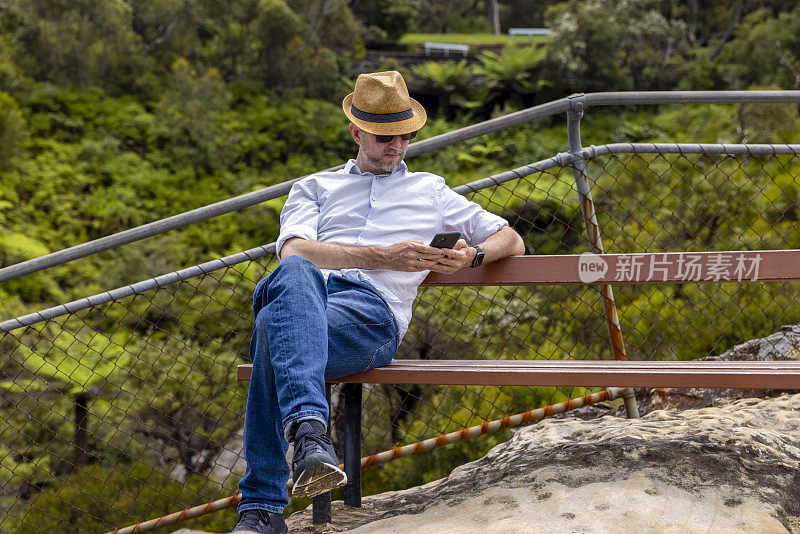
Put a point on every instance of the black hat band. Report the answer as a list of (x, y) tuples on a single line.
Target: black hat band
[(382, 117)]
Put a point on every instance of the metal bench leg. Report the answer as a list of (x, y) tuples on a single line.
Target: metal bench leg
[(321, 506), (352, 444)]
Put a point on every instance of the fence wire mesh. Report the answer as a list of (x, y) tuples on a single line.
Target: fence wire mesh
[(128, 410)]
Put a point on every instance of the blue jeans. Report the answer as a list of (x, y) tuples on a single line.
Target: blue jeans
[(305, 330)]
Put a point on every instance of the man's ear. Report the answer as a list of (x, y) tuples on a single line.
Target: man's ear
[(356, 133)]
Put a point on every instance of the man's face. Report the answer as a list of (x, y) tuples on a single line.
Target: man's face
[(382, 157)]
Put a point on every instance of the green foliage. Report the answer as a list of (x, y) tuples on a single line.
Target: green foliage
[(600, 45), (10, 74), (82, 502), (68, 42), (13, 132), (78, 361), (187, 118), (508, 79), (385, 21), (127, 46), (513, 75), (513, 70), (449, 80), (764, 52), (450, 16), (16, 247), (522, 14)]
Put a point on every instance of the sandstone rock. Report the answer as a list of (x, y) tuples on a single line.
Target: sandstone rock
[(734, 468)]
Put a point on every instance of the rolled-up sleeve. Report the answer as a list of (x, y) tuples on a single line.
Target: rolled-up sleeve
[(460, 215), (300, 214)]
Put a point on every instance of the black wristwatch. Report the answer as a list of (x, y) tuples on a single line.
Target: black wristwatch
[(478, 259)]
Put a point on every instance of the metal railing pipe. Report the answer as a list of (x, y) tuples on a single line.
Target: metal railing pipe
[(593, 152), (486, 127), (136, 289), (147, 230), (692, 97)]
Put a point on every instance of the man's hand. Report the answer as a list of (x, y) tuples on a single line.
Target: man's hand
[(453, 259), (413, 256)]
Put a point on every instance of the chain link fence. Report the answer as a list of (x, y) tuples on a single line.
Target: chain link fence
[(129, 408)]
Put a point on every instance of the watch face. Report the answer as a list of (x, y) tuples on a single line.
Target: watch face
[(478, 258)]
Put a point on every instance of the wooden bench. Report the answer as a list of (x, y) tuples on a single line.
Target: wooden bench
[(446, 48), (530, 33), (659, 268)]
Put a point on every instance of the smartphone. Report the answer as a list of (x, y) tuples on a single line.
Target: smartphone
[(445, 240)]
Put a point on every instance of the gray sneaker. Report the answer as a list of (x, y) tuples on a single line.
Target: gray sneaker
[(260, 522), (314, 464)]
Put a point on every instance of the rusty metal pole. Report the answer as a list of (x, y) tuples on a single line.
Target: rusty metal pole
[(578, 103)]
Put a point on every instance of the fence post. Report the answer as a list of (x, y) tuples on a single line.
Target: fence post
[(577, 103)]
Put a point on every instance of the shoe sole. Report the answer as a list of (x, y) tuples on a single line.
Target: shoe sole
[(318, 478)]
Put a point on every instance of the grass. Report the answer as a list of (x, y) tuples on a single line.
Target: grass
[(463, 38)]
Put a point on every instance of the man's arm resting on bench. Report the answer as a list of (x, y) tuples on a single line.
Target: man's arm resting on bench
[(405, 256), (501, 244)]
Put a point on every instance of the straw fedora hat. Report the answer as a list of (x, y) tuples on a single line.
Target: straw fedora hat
[(380, 105)]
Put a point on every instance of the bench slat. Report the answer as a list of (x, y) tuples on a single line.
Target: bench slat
[(591, 373), (644, 268)]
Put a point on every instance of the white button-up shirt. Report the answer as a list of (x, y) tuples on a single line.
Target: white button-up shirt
[(354, 208)]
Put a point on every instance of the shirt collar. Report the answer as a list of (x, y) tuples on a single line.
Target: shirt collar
[(351, 168)]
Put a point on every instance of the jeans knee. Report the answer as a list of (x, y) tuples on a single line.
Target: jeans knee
[(297, 268), (293, 275), (295, 261)]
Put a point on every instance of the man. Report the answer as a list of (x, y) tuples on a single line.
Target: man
[(353, 251)]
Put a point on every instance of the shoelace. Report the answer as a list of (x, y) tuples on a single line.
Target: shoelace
[(311, 441)]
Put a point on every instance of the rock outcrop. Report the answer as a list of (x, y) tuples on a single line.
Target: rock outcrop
[(734, 468)]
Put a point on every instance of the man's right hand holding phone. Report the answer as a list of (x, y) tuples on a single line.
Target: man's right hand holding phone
[(455, 253), (453, 259)]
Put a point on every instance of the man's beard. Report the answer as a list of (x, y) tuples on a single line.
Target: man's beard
[(385, 167)]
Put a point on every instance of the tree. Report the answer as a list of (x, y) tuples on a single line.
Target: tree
[(452, 16), (764, 51), (84, 42), (603, 45), (493, 14), (188, 116), (385, 21), (13, 132), (522, 13)]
